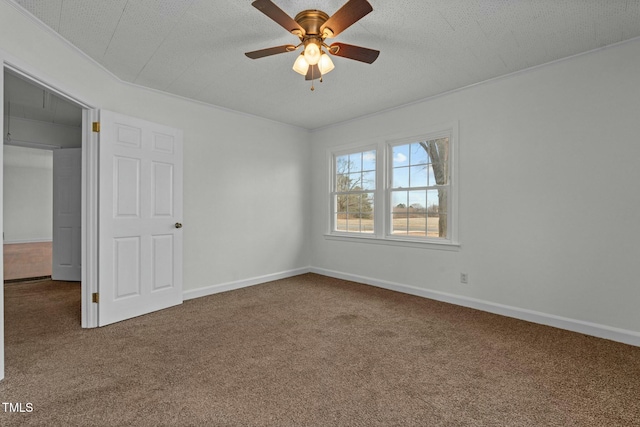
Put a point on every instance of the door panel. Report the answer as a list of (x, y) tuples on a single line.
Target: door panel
[(163, 248), (67, 219), (140, 185), (162, 190)]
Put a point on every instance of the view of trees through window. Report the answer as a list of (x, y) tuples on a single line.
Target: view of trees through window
[(354, 192), (416, 195), (419, 188)]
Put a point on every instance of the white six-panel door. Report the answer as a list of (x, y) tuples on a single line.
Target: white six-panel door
[(140, 204), (67, 205)]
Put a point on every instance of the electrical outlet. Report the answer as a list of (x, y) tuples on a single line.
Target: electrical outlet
[(464, 278)]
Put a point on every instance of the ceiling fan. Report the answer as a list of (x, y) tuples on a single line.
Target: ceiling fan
[(312, 27)]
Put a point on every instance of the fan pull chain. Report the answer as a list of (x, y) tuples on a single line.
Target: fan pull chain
[(312, 79)]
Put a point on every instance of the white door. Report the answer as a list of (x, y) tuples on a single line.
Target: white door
[(67, 205), (140, 209)]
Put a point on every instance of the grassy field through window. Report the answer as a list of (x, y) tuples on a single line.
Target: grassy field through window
[(402, 226)]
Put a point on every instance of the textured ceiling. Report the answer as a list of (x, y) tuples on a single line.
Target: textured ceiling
[(195, 48)]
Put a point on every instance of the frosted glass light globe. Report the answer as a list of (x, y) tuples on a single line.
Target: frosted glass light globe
[(312, 53), (301, 66)]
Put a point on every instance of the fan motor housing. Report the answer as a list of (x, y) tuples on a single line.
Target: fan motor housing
[(311, 20)]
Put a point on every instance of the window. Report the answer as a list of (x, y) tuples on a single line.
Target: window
[(415, 191), (419, 188), (354, 186)]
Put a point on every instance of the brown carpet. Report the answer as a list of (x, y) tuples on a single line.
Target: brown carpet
[(306, 351)]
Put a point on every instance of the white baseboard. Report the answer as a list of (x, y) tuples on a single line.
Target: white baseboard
[(587, 328), (230, 286), (16, 242)]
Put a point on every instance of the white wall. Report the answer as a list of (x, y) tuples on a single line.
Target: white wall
[(549, 202), (246, 183), (28, 194)]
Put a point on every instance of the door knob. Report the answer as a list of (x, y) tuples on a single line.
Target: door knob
[(178, 225)]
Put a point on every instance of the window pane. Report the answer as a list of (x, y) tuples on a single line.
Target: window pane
[(342, 182), (439, 175), (400, 155), (355, 162), (432, 177), (419, 155), (437, 226), (417, 224), (354, 181), (400, 199), (366, 206), (353, 223), (400, 224), (353, 210), (437, 212), (353, 203), (340, 215), (419, 176), (341, 204), (399, 212), (342, 165), (369, 180), (418, 201), (369, 161), (401, 178), (439, 151), (366, 214), (437, 201)]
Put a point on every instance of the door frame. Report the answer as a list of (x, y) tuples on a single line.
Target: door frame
[(89, 188)]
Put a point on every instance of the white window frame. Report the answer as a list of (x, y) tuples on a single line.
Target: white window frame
[(376, 193), (382, 195)]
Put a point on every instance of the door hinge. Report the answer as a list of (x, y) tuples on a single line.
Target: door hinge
[(96, 126), (95, 297)]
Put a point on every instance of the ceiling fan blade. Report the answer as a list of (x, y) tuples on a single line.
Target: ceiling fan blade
[(274, 12), (358, 53), (351, 12), (313, 72), (271, 51)]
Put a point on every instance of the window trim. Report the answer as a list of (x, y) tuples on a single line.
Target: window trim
[(382, 209)]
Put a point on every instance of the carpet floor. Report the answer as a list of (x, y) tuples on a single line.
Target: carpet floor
[(305, 351)]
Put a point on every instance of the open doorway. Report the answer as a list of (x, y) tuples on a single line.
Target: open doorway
[(116, 150), (39, 127)]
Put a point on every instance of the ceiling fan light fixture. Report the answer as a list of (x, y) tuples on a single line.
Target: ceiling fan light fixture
[(312, 52), (313, 27), (301, 66), (325, 64)]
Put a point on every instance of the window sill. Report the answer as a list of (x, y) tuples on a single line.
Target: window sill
[(444, 246)]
